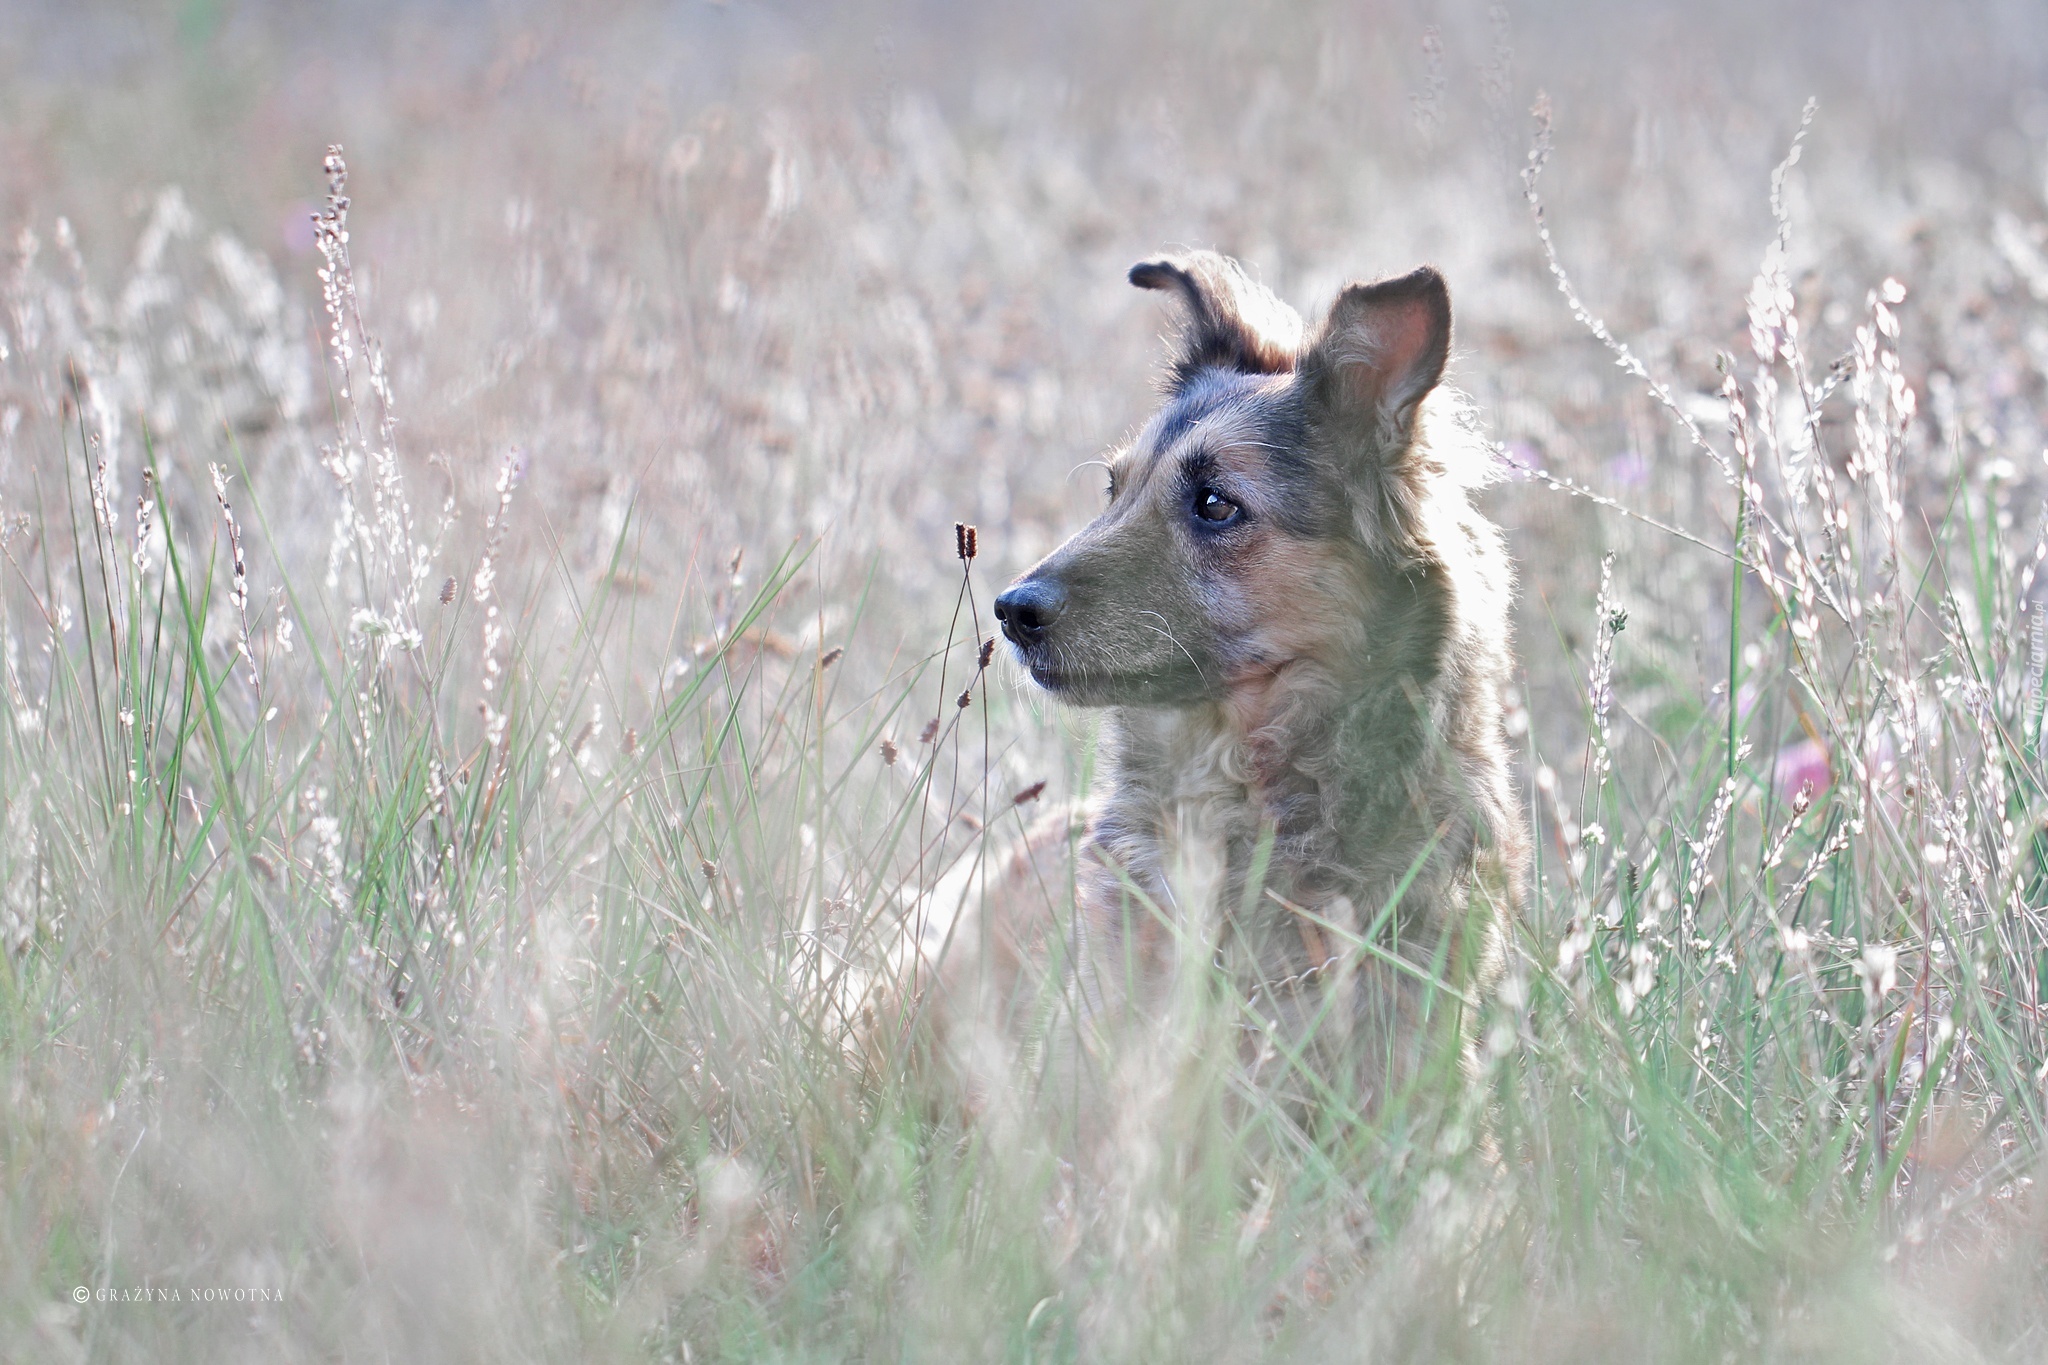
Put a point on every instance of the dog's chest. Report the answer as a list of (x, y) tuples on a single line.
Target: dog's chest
[(1178, 770), (1177, 814)]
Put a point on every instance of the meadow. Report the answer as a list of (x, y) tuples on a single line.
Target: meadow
[(486, 659)]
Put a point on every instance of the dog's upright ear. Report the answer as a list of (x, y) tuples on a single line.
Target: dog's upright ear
[(1233, 322), (1379, 354)]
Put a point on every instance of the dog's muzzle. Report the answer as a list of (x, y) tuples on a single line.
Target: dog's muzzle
[(1028, 609)]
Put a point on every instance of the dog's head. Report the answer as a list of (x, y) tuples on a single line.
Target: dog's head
[(1256, 516)]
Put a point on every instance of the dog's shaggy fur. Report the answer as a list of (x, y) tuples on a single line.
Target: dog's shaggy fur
[(1298, 624)]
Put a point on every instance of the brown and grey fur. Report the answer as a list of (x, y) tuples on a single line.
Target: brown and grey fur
[(1323, 669)]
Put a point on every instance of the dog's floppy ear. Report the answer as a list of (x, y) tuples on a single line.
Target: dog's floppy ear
[(1380, 353), (1232, 322)]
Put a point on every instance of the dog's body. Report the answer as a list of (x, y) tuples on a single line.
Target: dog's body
[(1298, 624)]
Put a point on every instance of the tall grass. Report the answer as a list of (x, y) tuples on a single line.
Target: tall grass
[(429, 943)]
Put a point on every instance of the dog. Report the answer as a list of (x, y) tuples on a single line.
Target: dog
[(1296, 626)]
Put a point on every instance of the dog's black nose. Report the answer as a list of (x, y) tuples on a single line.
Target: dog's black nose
[(1028, 609)]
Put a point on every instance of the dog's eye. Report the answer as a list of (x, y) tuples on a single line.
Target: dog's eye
[(1214, 507)]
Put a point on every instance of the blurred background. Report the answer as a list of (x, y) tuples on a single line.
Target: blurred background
[(759, 272)]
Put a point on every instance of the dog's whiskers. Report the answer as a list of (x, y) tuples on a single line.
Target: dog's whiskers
[(1166, 628)]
